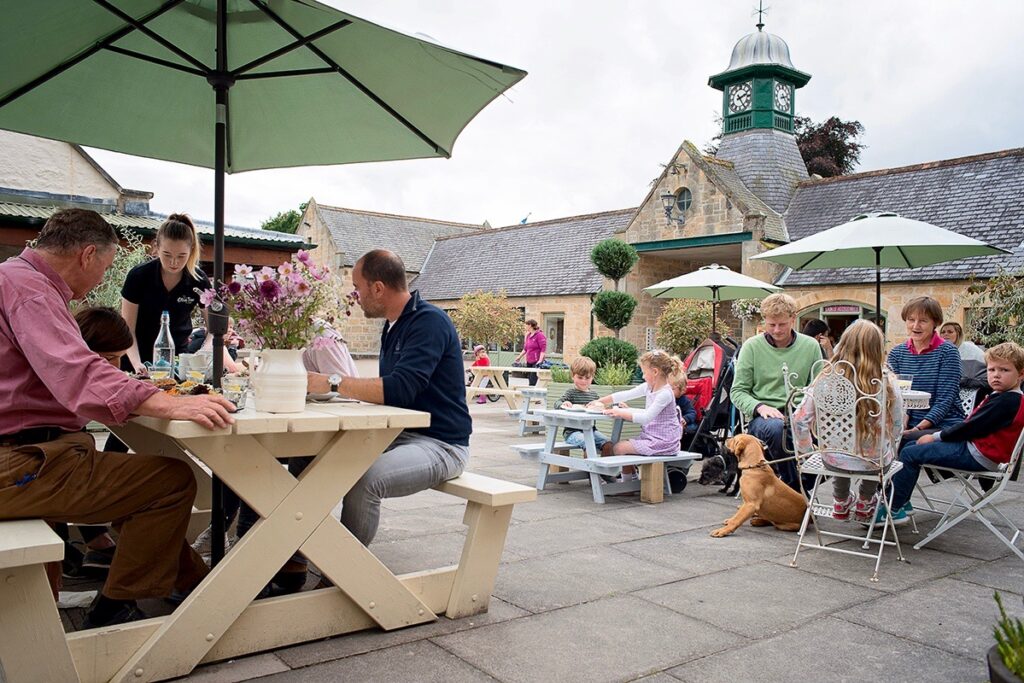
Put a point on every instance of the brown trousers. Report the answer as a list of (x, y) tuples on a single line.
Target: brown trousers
[(148, 499)]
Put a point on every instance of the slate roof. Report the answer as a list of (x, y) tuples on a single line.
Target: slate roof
[(356, 232), (979, 196), (768, 163), (549, 258), (725, 176), (148, 224)]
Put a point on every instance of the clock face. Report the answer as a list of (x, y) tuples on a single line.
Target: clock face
[(783, 97), (739, 97)]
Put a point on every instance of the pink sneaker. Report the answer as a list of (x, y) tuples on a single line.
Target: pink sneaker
[(865, 510), (481, 399), (841, 508)]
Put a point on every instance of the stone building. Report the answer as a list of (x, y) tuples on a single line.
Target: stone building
[(343, 235), (39, 177)]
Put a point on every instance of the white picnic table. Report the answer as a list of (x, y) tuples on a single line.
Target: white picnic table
[(219, 619), (653, 485), (496, 375)]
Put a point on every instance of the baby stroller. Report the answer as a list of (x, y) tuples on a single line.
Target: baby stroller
[(709, 373)]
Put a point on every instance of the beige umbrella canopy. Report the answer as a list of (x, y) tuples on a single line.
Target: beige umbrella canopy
[(712, 283)]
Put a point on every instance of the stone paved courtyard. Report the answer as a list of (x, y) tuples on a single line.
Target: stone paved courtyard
[(628, 591)]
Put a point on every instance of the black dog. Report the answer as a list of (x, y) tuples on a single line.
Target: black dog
[(721, 468)]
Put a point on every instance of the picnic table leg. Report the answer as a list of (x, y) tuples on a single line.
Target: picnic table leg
[(33, 647), (510, 399), (652, 482), (590, 451), (481, 555), (474, 384), (549, 447)]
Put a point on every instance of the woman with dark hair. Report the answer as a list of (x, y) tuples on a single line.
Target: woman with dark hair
[(819, 330), (534, 346), (106, 333)]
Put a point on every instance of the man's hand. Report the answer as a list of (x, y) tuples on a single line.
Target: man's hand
[(926, 438), (767, 412), (209, 410)]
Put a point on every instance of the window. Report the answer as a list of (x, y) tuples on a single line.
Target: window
[(554, 330), (683, 200), (838, 314)]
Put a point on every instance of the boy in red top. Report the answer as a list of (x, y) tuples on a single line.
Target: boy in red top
[(482, 359), (983, 441)]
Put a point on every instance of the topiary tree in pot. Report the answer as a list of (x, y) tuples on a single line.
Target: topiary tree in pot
[(614, 259)]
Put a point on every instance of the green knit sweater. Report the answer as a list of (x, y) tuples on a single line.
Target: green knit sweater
[(759, 371)]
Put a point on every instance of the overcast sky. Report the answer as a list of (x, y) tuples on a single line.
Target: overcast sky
[(614, 87)]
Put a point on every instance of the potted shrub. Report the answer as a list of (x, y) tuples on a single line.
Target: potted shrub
[(614, 259), (1006, 657)]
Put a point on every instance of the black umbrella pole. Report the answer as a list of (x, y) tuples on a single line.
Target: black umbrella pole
[(218, 330), (878, 287)]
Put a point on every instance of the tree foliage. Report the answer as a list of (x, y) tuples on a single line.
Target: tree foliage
[(996, 309), (130, 254), (607, 350), (487, 318), (684, 323), (614, 309), (614, 259), (285, 221), (830, 148)]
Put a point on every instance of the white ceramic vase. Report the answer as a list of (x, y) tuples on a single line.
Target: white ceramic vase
[(279, 383)]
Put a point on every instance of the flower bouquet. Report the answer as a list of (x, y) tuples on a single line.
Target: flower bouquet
[(275, 310)]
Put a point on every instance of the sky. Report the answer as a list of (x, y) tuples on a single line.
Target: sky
[(614, 87)]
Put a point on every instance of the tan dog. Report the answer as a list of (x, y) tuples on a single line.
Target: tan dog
[(766, 499)]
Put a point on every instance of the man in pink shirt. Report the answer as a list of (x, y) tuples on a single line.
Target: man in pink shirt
[(51, 386)]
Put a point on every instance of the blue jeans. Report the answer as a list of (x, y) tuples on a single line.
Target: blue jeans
[(576, 439), (953, 454)]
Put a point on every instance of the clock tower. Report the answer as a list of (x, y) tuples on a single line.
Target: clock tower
[(758, 106)]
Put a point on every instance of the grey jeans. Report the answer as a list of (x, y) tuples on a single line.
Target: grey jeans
[(412, 463)]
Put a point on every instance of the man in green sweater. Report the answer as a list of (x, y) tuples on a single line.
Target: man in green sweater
[(759, 390)]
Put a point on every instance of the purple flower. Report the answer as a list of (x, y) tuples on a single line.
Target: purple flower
[(269, 289), (286, 268), (266, 273), (302, 288), (234, 288), (243, 270), (303, 256), (207, 297)]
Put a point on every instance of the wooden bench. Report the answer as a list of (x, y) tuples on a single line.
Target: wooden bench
[(489, 504), (32, 647)]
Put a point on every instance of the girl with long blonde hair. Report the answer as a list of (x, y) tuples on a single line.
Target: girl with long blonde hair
[(661, 429), (862, 346)]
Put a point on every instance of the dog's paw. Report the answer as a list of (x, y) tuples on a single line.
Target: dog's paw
[(719, 533)]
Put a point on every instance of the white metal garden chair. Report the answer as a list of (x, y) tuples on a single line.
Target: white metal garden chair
[(975, 497), (836, 432)]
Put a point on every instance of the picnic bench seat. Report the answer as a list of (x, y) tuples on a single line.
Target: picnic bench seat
[(32, 647)]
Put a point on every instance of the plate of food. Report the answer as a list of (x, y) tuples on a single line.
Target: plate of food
[(576, 408), (596, 411)]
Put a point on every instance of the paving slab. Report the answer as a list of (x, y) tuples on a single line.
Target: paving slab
[(758, 600), (553, 581), (614, 639), (657, 678), (1005, 575), (235, 670), (561, 501), (920, 566), (359, 643), (396, 525), (951, 615), (557, 535), (678, 513), (969, 538), (422, 662), (696, 552), (831, 650)]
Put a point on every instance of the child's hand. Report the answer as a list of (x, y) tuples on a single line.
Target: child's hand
[(624, 405), (595, 405), (566, 405), (927, 438)]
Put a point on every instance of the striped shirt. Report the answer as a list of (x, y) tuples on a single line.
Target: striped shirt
[(937, 372), (577, 397)]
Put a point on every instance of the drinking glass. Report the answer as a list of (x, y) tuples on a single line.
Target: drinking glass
[(904, 381)]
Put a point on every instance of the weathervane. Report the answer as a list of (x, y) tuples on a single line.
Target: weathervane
[(760, 12)]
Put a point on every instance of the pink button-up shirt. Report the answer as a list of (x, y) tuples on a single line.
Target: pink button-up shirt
[(49, 376)]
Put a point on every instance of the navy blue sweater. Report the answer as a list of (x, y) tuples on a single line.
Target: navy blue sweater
[(938, 373), (421, 369)]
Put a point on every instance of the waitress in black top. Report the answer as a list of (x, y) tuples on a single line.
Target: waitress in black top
[(166, 283)]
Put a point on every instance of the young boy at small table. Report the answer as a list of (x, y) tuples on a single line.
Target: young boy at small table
[(583, 371), (688, 414), (983, 441)]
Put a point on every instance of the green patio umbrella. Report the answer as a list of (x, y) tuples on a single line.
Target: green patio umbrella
[(712, 283), (235, 85), (880, 239)]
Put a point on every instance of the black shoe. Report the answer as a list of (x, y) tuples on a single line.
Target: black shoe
[(98, 559), (129, 612), (71, 565)]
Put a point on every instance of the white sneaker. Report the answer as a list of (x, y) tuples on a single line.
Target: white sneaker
[(204, 542)]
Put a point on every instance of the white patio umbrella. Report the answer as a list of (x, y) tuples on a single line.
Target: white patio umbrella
[(712, 283), (880, 239)]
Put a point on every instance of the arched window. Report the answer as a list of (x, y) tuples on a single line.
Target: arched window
[(683, 200)]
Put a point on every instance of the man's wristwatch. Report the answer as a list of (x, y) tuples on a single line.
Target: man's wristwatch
[(335, 382)]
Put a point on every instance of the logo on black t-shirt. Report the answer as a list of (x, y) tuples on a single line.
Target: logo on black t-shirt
[(186, 300)]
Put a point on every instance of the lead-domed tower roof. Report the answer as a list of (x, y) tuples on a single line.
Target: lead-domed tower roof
[(760, 47)]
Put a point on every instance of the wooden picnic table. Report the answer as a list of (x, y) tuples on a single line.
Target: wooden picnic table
[(220, 620), (496, 375)]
